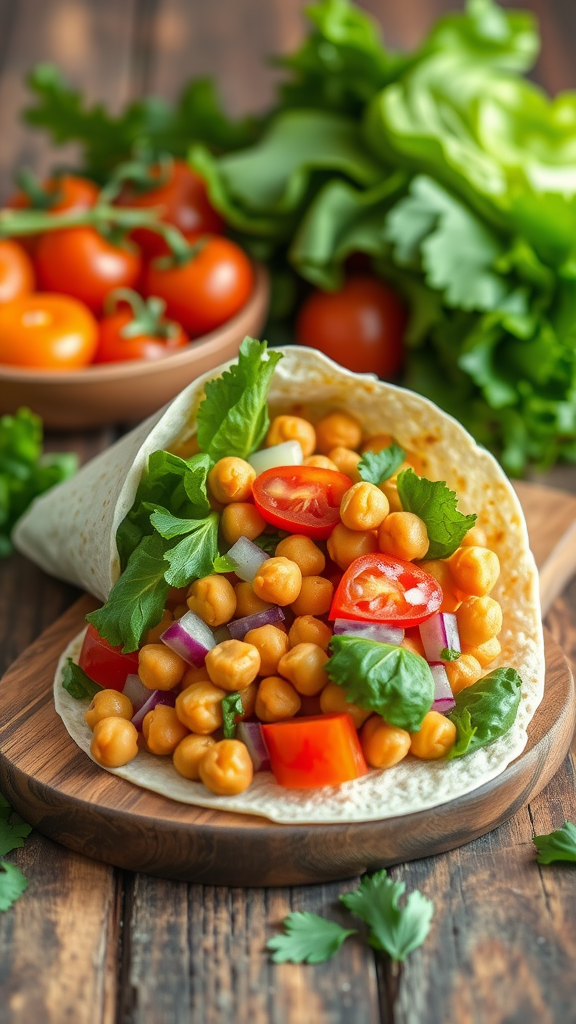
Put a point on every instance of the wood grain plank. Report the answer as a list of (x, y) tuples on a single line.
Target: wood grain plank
[(551, 519)]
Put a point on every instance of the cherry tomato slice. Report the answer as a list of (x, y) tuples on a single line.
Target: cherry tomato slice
[(106, 665), (302, 499), (383, 589), (323, 750)]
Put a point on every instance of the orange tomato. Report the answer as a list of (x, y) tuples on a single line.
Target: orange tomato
[(323, 750), (82, 263), (16, 271), (49, 332)]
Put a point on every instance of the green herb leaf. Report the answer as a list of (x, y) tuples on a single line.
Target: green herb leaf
[(435, 504), (308, 939), (223, 564), (558, 845), (231, 706), (392, 681), (376, 467), (12, 884), (395, 930), (486, 710), (449, 654), (268, 542), (194, 556), (233, 418), (77, 683), (13, 830)]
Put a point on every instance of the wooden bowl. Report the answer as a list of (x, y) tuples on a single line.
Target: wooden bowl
[(129, 391)]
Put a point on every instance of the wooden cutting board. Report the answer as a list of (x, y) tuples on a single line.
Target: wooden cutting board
[(551, 518)]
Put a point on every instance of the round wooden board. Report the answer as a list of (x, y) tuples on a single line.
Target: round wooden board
[(55, 787)]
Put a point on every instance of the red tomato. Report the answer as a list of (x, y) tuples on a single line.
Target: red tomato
[(82, 263), (68, 192), (301, 499), (184, 202), (323, 750), (114, 345), (16, 271), (374, 588), (361, 326), (106, 665), (208, 289), (50, 332)]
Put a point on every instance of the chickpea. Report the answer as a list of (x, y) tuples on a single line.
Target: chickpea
[(213, 599), (276, 700), (303, 666), (163, 730), (390, 489), (436, 737), (345, 546), (377, 443), (248, 697), (308, 630), (292, 428), (484, 653), (333, 702), (233, 664), (199, 707), (415, 645), (479, 619), (321, 462), (403, 535), (383, 745), (226, 768), (337, 430), (302, 550), (153, 635), (309, 706), (278, 580), (346, 461), (108, 704), (463, 672), (176, 596), (439, 568), (114, 743), (315, 596), (231, 479), (241, 519), (476, 538), (188, 754), (194, 675), (247, 603), (271, 644), (160, 668), (475, 570), (179, 611), (185, 449), (363, 507)]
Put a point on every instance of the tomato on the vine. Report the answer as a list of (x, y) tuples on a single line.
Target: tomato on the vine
[(379, 588), (361, 326), (16, 271), (301, 499), (57, 194), (83, 263), (50, 332), (137, 331)]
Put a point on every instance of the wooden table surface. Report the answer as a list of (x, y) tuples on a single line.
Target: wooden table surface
[(92, 945)]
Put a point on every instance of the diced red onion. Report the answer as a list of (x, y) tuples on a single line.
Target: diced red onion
[(289, 453), (380, 631), (250, 733), (239, 627), (156, 697), (136, 692), (247, 558), (439, 632), (443, 696), (189, 637)]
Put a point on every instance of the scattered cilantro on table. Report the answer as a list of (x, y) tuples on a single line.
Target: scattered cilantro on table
[(309, 939), (435, 504), (558, 845), (13, 832)]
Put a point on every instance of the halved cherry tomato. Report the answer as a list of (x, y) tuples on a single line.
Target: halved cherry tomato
[(16, 271), (82, 263), (136, 331), (106, 665), (383, 589), (301, 499), (323, 750), (50, 332)]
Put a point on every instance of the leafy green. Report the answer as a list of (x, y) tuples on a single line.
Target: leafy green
[(392, 681), (449, 654), (194, 555), (77, 683), (376, 467), (231, 706), (269, 541), (558, 845), (233, 417), (223, 564), (13, 831), (395, 930), (435, 504), (486, 710), (308, 939), (12, 884)]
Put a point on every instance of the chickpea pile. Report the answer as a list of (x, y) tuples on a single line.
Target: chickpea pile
[(280, 670)]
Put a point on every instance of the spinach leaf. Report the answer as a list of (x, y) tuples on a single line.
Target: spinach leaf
[(77, 683), (376, 467), (435, 504), (486, 710)]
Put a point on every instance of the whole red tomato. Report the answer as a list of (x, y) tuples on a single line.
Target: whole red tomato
[(16, 271), (205, 290), (50, 332), (137, 331), (184, 202), (63, 192), (82, 263), (361, 326)]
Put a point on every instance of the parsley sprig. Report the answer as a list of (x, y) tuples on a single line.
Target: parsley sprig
[(13, 832), (558, 845)]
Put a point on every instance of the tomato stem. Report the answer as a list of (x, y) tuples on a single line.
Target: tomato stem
[(147, 314)]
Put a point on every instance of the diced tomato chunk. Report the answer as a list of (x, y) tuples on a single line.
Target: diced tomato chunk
[(106, 665), (323, 750)]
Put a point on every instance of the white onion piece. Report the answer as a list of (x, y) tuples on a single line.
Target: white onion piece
[(239, 627), (250, 733), (415, 596), (156, 697), (443, 696), (189, 637), (380, 631), (438, 632), (246, 558), (289, 453), (136, 692)]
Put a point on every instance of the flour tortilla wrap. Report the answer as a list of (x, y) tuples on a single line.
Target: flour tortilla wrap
[(70, 532)]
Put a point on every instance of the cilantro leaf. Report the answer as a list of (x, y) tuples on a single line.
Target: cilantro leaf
[(12, 884), (223, 564), (269, 541), (558, 845), (308, 939), (486, 710), (392, 681), (435, 504), (233, 417), (375, 467), (449, 654), (13, 831), (395, 930), (194, 556), (77, 683), (231, 706)]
